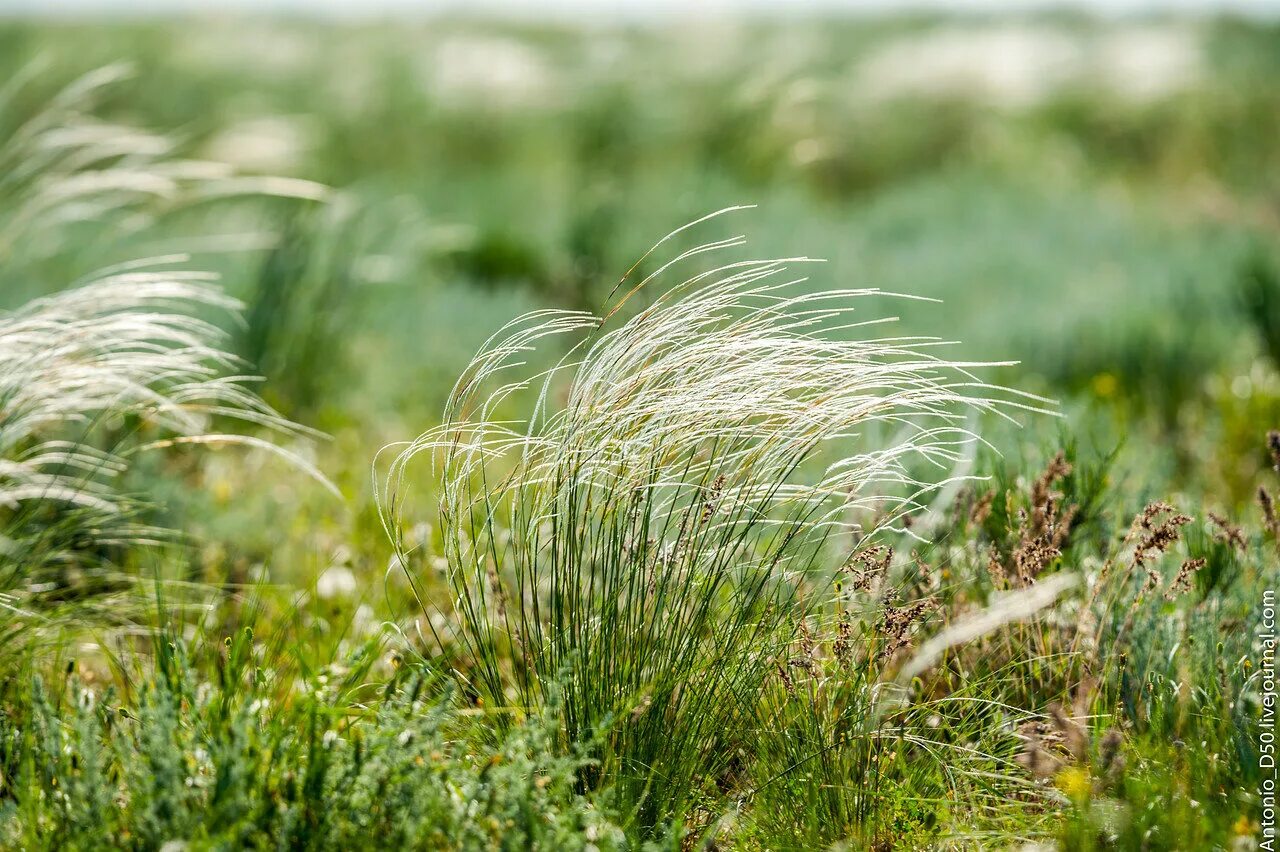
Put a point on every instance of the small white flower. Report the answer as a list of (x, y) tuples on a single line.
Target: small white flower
[(364, 622), (336, 581), (419, 533)]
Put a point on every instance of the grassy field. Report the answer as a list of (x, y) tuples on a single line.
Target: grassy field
[(541, 530)]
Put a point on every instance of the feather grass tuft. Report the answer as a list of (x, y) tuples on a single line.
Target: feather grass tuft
[(124, 362), (641, 542)]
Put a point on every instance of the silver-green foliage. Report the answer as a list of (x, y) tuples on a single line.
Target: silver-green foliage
[(216, 765)]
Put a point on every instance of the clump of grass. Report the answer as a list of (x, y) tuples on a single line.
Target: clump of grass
[(89, 380), (1258, 295), (294, 325), (849, 748), (688, 477), (125, 362)]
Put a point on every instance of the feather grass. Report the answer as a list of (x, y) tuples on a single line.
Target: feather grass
[(643, 546), (63, 167), (123, 362), (85, 376)]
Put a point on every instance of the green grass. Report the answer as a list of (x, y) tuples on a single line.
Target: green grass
[(636, 602), (228, 764)]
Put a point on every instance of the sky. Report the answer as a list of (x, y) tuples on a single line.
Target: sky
[(608, 8)]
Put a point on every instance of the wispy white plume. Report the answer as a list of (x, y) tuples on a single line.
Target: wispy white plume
[(679, 479), (122, 362), (64, 166)]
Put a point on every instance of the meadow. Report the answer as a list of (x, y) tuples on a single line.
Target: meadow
[(721, 434)]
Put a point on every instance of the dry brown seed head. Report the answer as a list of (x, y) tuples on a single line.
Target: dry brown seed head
[(995, 569), (1182, 580), (1073, 734), (1112, 761), (785, 676), (842, 647), (807, 644), (1062, 526), (713, 499), (982, 509), (1033, 556), (1033, 757), (897, 622), (1161, 534), (1227, 532), (875, 564), (1043, 502)]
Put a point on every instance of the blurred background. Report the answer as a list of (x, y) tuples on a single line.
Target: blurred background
[(1092, 190)]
